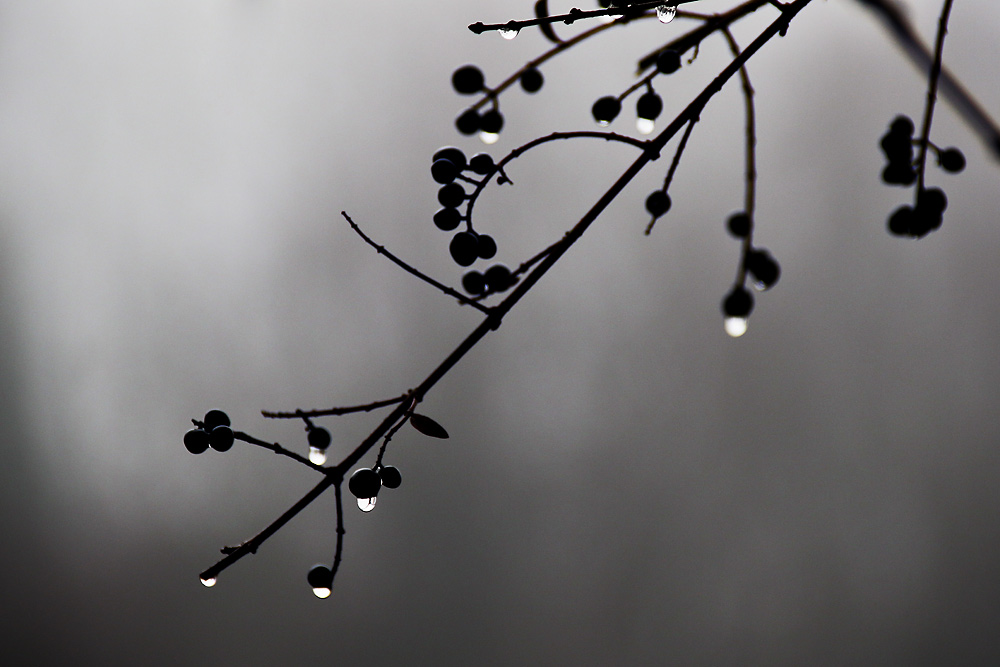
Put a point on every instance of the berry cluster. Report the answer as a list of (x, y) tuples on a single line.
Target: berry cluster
[(758, 265), (469, 80), (649, 105), (448, 166), (365, 484), (927, 211), (214, 431)]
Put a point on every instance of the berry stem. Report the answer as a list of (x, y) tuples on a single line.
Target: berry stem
[(932, 86)]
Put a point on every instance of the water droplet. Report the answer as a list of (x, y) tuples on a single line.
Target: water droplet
[(208, 583), (604, 123), (317, 455), (489, 137), (735, 326), (666, 13), (645, 125), (322, 593), (759, 286), (366, 504), (509, 31)]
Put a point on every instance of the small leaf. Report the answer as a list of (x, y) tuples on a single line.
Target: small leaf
[(428, 426)]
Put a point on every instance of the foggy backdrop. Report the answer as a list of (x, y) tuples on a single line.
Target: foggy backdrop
[(624, 483)]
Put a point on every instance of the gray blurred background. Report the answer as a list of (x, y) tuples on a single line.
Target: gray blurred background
[(624, 484)]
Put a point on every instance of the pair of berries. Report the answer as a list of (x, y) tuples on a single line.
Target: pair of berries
[(920, 220), (468, 246), (497, 278), (366, 482), (214, 431)]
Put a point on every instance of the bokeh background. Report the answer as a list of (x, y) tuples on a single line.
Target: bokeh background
[(624, 484)]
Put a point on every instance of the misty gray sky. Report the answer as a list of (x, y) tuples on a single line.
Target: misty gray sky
[(624, 484)]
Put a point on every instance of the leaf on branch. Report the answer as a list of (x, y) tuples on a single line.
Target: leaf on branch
[(428, 426), (542, 12)]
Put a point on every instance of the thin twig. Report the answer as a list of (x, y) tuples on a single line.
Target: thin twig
[(932, 86), (277, 449), (367, 407), (340, 533), (574, 15), (673, 166), (409, 269)]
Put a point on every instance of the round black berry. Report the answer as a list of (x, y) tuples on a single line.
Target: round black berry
[(320, 576), (391, 479), (215, 418), (196, 440), (739, 225), (452, 154), (474, 283), (899, 173), (364, 483), (444, 171), (902, 125), (668, 61), (319, 438), (932, 199), (763, 268), (901, 221), (447, 219), (451, 195), (481, 163), (738, 303), (498, 278), (468, 80), (531, 80), (606, 109), (649, 106), (468, 122), (464, 248), (658, 203), (487, 247), (221, 438), (491, 122), (951, 160)]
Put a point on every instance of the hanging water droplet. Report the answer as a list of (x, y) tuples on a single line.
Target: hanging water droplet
[(735, 326), (322, 592), (208, 583), (759, 285), (366, 504), (666, 13), (509, 31), (645, 125), (317, 455), (489, 137)]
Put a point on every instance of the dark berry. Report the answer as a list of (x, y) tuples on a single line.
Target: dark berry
[(738, 303), (452, 154), (464, 248), (487, 247), (658, 203), (531, 80), (468, 80), (221, 438), (901, 221), (481, 163), (491, 122), (474, 283), (668, 62), (649, 106), (897, 148), (447, 219), (444, 171), (902, 125), (951, 160), (215, 418), (451, 195), (364, 483), (391, 479), (320, 576), (606, 109), (468, 122), (763, 268), (932, 199), (196, 440), (897, 173), (498, 278), (319, 438), (739, 225)]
